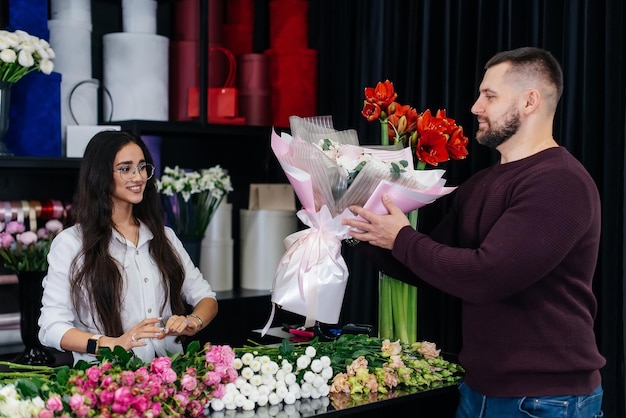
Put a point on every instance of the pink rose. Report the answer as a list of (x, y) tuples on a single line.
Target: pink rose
[(188, 382), (45, 413), (27, 238), (76, 402), (54, 403)]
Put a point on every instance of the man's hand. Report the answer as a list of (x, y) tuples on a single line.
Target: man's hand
[(379, 230)]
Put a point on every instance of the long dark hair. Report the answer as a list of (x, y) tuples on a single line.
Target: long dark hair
[(99, 276)]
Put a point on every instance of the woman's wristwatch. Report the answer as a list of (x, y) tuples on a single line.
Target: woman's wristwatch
[(92, 344)]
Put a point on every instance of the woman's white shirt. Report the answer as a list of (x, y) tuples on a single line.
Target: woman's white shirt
[(143, 294)]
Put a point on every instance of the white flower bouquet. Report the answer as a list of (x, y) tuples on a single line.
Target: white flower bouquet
[(192, 197), (329, 171), (22, 53)]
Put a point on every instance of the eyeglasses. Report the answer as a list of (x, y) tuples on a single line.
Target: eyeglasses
[(127, 172)]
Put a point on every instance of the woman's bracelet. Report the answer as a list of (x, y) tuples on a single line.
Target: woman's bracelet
[(198, 318)]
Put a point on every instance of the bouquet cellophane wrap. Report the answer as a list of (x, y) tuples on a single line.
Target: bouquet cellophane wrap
[(311, 277)]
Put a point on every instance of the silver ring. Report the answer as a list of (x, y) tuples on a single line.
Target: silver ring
[(132, 337)]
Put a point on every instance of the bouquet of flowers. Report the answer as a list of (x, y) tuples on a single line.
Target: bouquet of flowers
[(432, 140), (21, 53), (192, 197), (24, 250), (311, 276)]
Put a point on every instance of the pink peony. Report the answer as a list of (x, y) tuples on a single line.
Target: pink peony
[(6, 239), (54, 226), (15, 227), (27, 238)]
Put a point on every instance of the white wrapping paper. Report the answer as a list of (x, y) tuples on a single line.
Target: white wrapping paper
[(74, 10), (136, 71), (312, 275), (139, 16), (71, 42)]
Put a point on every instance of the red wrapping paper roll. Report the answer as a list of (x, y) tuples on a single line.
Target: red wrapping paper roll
[(216, 22), (187, 21), (184, 73), (293, 80), (240, 12), (288, 24), (238, 38)]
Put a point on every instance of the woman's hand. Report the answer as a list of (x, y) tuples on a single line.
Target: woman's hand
[(147, 328), (181, 325)]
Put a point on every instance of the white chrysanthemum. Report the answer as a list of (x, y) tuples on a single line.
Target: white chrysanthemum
[(239, 399), (325, 361), (237, 363), (290, 379), (217, 404), (287, 366), (316, 365), (248, 405), (309, 376), (247, 372), (310, 351), (303, 362), (274, 399), (281, 391), (306, 387), (316, 393), (264, 390), (255, 365), (269, 380), (319, 381), (262, 400), (280, 375), (256, 380), (295, 389), (327, 373), (246, 389), (264, 359), (324, 390), (289, 398)]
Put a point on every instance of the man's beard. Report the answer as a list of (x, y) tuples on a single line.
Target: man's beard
[(493, 137)]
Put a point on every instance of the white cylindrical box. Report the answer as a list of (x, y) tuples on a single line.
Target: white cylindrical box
[(261, 234), (220, 226), (136, 75), (216, 263)]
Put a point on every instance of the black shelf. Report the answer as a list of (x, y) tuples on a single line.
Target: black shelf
[(167, 128), (48, 163)]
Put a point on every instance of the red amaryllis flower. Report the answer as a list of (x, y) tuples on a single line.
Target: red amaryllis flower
[(383, 94), (371, 111), (457, 144), (431, 147)]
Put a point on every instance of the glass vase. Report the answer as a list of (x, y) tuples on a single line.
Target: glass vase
[(5, 104)]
